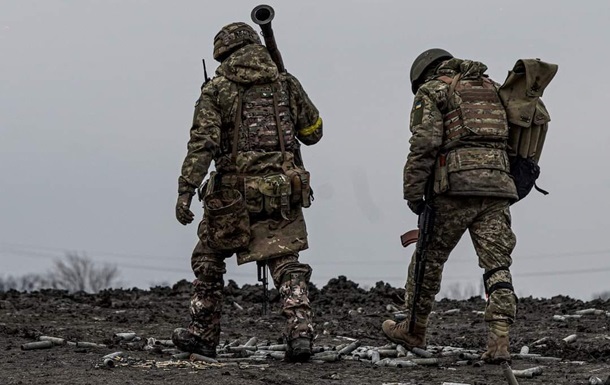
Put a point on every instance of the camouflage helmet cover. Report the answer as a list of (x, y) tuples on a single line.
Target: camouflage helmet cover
[(421, 63), (232, 37)]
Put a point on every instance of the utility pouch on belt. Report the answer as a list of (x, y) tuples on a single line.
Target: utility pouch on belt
[(300, 186), (276, 191), (441, 175), (227, 220)]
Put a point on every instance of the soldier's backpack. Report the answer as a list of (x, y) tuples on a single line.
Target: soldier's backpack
[(528, 119)]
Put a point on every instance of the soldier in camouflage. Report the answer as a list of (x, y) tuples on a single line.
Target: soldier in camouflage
[(250, 121), (458, 150)]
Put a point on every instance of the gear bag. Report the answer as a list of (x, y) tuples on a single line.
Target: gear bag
[(528, 119)]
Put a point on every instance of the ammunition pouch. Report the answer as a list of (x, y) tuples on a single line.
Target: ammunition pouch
[(272, 194), (227, 220), (276, 191)]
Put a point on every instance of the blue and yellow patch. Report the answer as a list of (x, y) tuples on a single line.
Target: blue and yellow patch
[(418, 112)]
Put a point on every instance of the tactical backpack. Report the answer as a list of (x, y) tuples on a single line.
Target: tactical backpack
[(528, 120)]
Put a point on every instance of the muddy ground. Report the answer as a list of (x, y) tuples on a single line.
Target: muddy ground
[(343, 312)]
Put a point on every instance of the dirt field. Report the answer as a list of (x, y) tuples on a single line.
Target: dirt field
[(343, 312)]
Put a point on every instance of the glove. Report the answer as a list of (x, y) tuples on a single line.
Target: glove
[(183, 209), (417, 206)]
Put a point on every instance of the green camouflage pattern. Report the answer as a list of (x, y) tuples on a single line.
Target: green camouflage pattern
[(289, 276), (211, 132), (206, 311), (486, 175), (277, 235), (231, 37), (226, 219), (488, 221), (291, 279), (274, 236)]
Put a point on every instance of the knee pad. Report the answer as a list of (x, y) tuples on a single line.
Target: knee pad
[(499, 282)]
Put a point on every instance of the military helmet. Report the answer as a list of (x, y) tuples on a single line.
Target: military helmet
[(232, 37), (423, 61)]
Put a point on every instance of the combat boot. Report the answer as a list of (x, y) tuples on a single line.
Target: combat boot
[(298, 350), (497, 343), (399, 332), (189, 342), (296, 309)]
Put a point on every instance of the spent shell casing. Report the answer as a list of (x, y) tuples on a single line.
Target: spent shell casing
[(181, 356), (83, 344), (524, 350), (571, 338), (375, 356), (112, 355), (349, 348), (327, 356), (125, 336), (37, 345), (168, 343), (421, 352), (54, 340), (469, 356), (277, 355), (528, 373), (199, 357), (425, 361), (109, 362)]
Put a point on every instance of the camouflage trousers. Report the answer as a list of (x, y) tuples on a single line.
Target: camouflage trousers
[(289, 276), (488, 221)]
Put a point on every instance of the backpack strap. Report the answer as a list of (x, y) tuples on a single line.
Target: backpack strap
[(452, 81), (237, 125)]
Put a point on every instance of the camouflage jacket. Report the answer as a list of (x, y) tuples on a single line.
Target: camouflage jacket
[(216, 109), (469, 167)]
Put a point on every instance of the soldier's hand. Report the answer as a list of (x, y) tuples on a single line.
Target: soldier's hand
[(183, 209), (417, 206)]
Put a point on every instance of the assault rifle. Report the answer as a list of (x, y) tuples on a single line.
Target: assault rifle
[(206, 78), (421, 235)]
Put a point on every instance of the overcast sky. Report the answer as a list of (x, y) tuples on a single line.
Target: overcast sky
[(96, 102)]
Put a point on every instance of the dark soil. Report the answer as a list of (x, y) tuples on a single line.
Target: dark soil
[(342, 309)]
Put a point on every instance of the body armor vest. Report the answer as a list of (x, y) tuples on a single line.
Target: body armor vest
[(258, 130), (473, 159), (479, 115)]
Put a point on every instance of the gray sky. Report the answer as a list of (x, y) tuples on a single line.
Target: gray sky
[(96, 102)]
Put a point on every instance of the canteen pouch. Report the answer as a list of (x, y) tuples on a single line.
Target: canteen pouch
[(300, 184), (227, 220)]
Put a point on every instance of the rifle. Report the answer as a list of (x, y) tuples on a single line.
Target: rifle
[(421, 235), (264, 279), (206, 78)]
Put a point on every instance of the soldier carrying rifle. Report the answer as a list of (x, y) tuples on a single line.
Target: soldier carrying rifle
[(250, 120)]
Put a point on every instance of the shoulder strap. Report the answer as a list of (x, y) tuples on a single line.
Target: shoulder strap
[(237, 125), (277, 87), (452, 81)]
